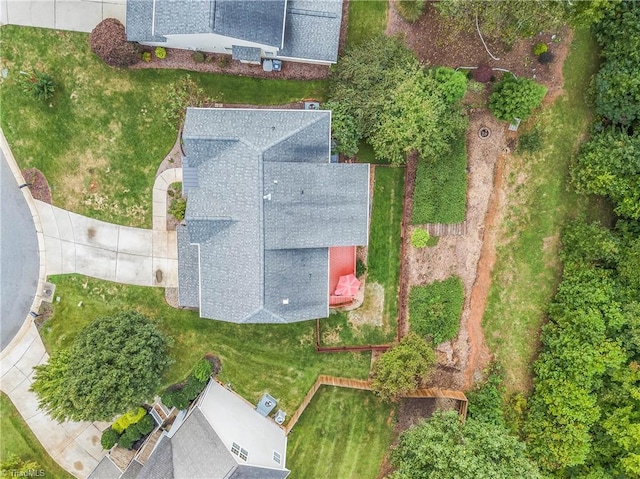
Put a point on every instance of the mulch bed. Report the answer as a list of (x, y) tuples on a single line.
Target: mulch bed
[(38, 184)]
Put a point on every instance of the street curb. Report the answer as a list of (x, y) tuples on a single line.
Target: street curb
[(42, 276)]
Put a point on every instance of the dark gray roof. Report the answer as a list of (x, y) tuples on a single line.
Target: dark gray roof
[(132, 471), (198, 452), (253, 472), (188, 296), (160, 463), (246, 54), (259, 21), (268, 206), (105, 469), (312, 30), (140, 21)]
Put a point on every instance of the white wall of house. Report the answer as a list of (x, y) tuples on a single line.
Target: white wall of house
[(209, 42)]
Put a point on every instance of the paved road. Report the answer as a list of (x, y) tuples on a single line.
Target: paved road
[(19, 262)]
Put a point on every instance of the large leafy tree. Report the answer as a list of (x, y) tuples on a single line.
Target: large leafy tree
[(403, 368), (381, 93), (609, 165), (443, 447), (113, 365), (515, 98)]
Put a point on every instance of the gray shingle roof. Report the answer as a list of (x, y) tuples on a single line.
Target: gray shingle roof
[(132, 471), (312, 30), (160, 463), (259, 21), (253, 472), (188, 272), (105, 469), (268, 206), (246, 54)]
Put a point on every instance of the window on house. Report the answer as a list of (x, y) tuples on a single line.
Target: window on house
[(235, 449), (244, 454), (276, 457)]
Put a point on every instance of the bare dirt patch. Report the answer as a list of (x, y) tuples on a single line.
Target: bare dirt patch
[(370, 313)]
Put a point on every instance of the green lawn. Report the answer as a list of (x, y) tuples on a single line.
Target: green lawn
[(17, 439), (344, 433), (528, 269), (383, 268), (102, 137), (280, 359), (367, 19), (435, 309), (441, 187)]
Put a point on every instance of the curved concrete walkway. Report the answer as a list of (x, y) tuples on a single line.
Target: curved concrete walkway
[(68, 244)]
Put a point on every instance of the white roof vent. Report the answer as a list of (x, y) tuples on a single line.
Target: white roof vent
[(285, 301), (267, 197)]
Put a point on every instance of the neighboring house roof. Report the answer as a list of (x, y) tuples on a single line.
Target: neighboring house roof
[(323, 18), (300, 29), (267, 206), (202, 445)]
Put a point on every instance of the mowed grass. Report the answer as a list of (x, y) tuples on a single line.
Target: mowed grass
[(540, 202), (383, 268), (101, 138), (18, 440), (367, 19), (280, 359), (344, 433), (441, 187)]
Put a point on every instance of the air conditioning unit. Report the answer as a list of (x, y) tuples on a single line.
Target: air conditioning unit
[(266, 405), (280, 416)]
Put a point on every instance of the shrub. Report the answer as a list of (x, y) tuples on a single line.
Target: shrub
[(130, 436), (109, 438), (435, 309), (175, 398), (483, 74), (146, 56), (202, 370), (361, 268), (546, 57), (198, 57), (161, 52), (224, 61), (530, 141), (178, 208), (127, 419), (539, 48), (410, 10), (420, 238), (40, 85), (109, 42), (145, 425), (515, 98), (179, 95), (193, 387), (475, 86), (451, 84)]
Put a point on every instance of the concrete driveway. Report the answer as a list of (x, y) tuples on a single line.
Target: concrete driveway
[(74, 15), (18, 256), (78, 244)]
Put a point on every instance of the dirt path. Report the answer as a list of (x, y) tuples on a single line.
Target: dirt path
[(461, 256)]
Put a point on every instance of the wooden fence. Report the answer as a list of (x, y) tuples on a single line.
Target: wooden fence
[(440, 229), (324, 380)]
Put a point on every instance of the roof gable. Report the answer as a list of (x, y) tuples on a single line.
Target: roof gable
[(259, 21)]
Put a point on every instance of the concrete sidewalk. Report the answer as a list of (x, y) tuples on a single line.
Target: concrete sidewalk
[(78, 244), (74, 15)]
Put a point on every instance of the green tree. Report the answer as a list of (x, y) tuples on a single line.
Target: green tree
[(113, 366), (443, 447), (403, 367), (344, 129), (609, 165), (515, 98)]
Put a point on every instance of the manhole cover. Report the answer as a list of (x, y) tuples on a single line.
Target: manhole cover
[(484, 132)]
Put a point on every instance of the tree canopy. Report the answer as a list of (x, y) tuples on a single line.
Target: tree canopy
[(403, 367), (380, 93), (114, 365), (443, 447)]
